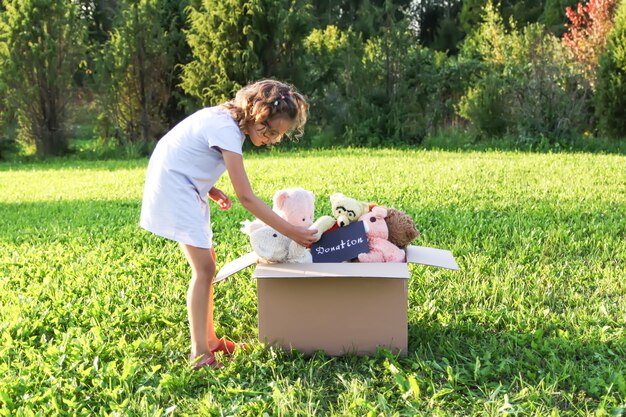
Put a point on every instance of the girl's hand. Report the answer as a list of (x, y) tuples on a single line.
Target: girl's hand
[(303, 236), (220, 198)]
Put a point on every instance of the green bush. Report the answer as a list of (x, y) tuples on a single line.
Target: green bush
[(385, 91), (8, 144), (485, 105), (525, 84), (610, 98), (551, 95)]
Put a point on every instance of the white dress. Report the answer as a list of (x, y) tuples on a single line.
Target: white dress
[(184, 166)]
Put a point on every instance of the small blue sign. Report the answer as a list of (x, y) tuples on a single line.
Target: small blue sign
[(341, 244)]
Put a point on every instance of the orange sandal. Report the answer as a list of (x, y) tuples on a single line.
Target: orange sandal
[(205, 361), (228, 347)]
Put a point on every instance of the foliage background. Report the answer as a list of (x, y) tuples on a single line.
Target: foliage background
[(377, 72)]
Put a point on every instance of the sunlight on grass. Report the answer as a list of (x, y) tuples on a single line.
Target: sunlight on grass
[(93, 317)]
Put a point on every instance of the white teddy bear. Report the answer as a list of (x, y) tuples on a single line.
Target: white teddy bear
[(271, 246)]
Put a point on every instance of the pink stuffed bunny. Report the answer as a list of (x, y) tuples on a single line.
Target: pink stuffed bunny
[(381, 250)]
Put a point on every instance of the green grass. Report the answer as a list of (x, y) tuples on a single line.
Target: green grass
[(93, 318)]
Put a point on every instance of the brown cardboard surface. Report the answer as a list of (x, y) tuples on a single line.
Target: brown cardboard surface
[(332, 270), (336, 315), (336, 307)]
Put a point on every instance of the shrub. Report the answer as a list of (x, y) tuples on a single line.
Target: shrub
[(525, 84), (486, 105), (387, 90), (610, 98), (587, 32)]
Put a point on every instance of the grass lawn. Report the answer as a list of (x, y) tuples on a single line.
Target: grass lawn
[(93, 317)]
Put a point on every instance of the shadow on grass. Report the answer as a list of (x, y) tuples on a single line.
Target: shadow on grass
[(464, 141), (447, 141), (95, 221), (74, 163), (451, 220)]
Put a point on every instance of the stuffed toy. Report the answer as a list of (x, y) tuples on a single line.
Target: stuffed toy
[(402, 230), (297, 207), (347, 210), (271, 246), (381, 249)]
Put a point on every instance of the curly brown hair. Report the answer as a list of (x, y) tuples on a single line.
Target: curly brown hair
[(267, 99)]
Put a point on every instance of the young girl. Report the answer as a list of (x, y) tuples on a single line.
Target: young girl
[(183, 169)]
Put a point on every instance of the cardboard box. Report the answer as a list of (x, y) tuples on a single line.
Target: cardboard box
[(336, 307)]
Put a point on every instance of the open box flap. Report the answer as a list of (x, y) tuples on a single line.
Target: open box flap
[(431, 256), (236, 266), (415, 254)]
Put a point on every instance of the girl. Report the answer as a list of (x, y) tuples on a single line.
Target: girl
[(183, 169)]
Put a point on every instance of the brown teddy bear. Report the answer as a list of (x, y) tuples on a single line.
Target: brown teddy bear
[(402, 230)]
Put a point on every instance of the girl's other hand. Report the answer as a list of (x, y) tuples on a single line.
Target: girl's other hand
[(303, 235), (220, 198)]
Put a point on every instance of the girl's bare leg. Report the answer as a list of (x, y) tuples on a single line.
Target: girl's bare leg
[(200, 300)]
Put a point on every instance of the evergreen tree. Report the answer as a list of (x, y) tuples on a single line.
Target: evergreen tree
[(610, 95), (360, 16), (41, 45), (522, 12), (554, 17), (100, 16), (376, 85), (438, 24), (237, 41)]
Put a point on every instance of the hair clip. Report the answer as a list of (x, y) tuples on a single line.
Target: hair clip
[(275, 103), (282, 97)]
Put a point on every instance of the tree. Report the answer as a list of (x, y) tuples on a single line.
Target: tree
[(137, 69), (234, 42), (42, 43), (522, 12), (438, 24), (381, 88), (100, 16), (587, 32), (360, 16), (610, 98), (554, 17)]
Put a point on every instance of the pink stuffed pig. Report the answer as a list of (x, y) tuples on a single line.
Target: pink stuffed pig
[(381, 250)]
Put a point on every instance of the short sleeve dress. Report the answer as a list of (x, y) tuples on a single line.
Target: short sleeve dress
[(184, 166)]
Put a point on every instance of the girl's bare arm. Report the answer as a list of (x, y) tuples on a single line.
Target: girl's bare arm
[(256, 206)]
